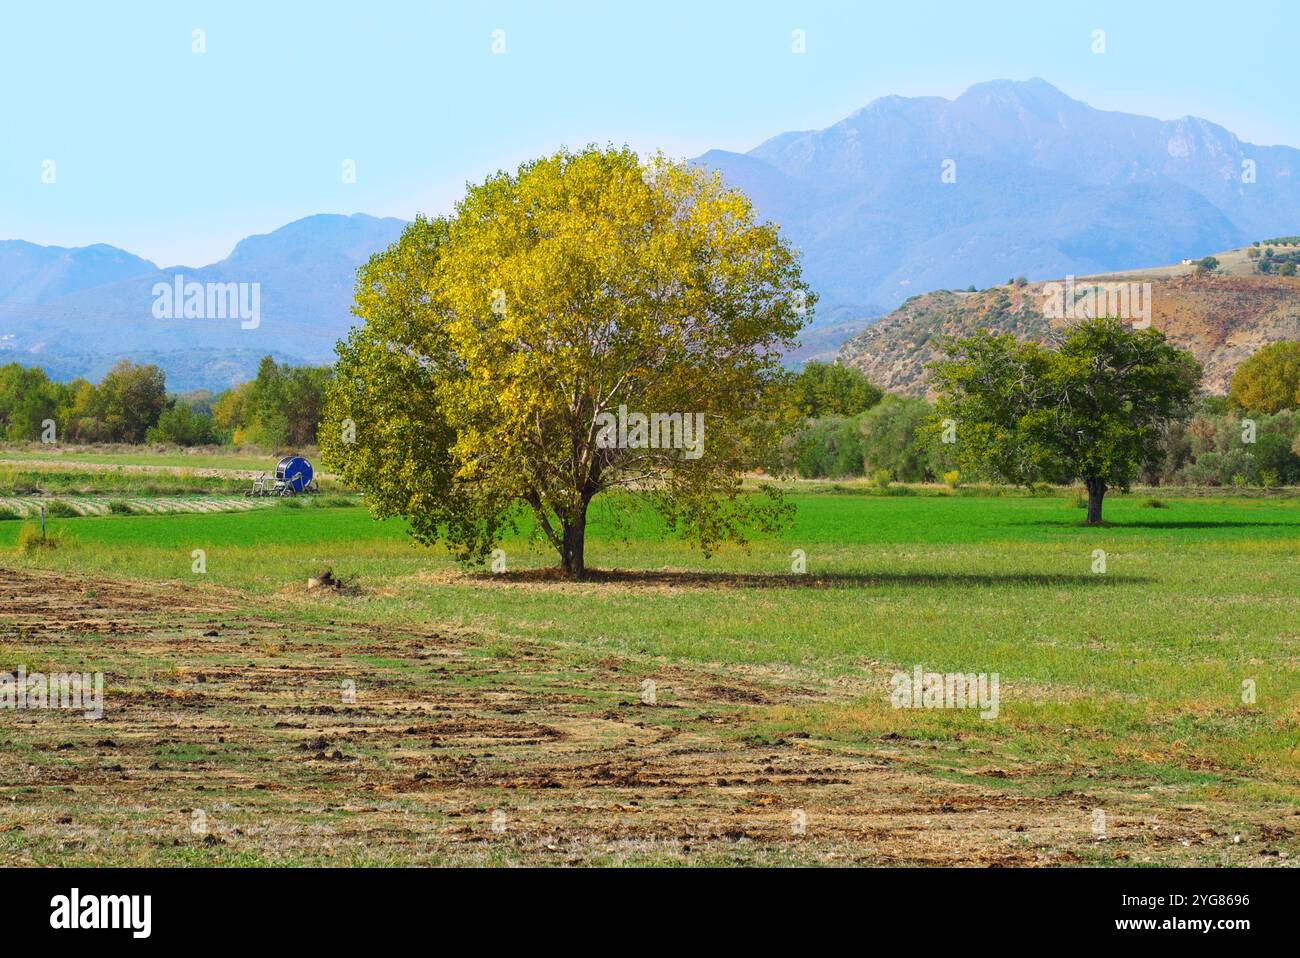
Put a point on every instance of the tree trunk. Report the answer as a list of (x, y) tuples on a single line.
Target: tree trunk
[(1096, 492), (574, 543)]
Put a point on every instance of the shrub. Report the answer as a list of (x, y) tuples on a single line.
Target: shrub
[(6, 513), (952, 478), (58, 509), (880, 478), (1153, 504), (1220, 468), (1273, 453), (121, 507)]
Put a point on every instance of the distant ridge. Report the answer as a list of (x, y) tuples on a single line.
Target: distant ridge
[(1045, 185), (75, 311), (1221, 319)]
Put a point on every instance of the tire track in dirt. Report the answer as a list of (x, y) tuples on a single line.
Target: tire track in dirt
[(334, 742)]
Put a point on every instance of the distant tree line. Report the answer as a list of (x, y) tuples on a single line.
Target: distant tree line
[(280, 408), (1249, 438), (851, 428), (1268, 260), (846, 426), (1219, 446)]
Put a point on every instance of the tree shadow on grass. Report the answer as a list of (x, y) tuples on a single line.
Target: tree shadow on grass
[(660, 578), (1157, 524), (1199, 524)]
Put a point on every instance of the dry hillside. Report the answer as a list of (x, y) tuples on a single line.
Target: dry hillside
[(1221, 319)]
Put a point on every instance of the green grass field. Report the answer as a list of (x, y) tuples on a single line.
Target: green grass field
[(1195, 599), (1122, 683)]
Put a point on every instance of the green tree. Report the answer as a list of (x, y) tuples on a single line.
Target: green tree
[(894, 437), (229, 416), (280, 408), (127, 401), (828, 448), (1095, 409), (1269, 381), (829, 389), (181, 425), (27, 400), (501, 347)]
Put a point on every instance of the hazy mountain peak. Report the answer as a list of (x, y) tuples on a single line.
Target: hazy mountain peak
[(322, 240), (96, 303), (1012, 177), (1035, 90), (40, 274)]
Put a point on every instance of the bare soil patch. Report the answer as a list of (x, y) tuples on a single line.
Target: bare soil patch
[(238, 733)]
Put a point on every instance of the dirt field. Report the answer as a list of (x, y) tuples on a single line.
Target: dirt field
[(229, 737)]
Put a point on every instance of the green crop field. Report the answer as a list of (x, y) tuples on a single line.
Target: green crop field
[(244, 462), (1163, 685)]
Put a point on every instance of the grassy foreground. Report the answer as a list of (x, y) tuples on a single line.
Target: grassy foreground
[(1127, 690)]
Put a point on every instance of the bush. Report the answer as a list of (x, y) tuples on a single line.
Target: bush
[(1274, 455), (121, 507), (6, 513), (1153, 504), (1221, 468), (952, 479), (58, 509), (880, 478)]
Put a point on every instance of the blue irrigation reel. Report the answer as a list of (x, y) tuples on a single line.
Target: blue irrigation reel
[(293, 476)]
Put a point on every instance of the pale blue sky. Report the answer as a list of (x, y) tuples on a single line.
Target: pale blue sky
[(176, 156)]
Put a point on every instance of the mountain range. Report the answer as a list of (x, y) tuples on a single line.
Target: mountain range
[(906, 196), (76, 311), (1038, 184)]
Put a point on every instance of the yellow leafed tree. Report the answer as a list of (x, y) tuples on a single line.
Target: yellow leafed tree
[(586, 324)]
